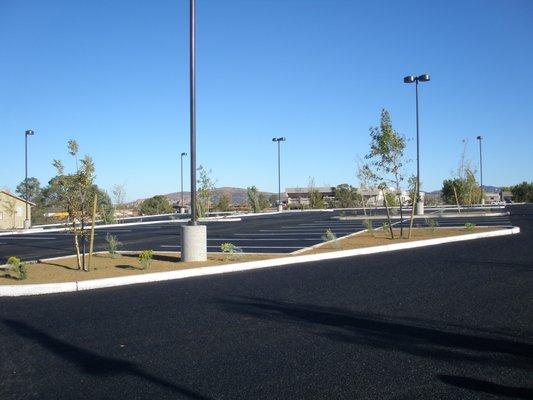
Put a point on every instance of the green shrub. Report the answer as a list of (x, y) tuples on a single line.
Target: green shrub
[(145, 258), (112, 244), (369, 226), (18, 267), (432, 224), (329, 236), (230, 248), (469, 226)]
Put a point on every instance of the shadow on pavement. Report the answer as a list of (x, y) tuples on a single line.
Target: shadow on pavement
[(91, 363), (417, 337), (487, 387)]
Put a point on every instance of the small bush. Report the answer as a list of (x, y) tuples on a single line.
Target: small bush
[(112, 244), (342, 214), (145, 258), (469, 226), (329, 236), (369, 226), (18, 267), (432, 224), (230, 248)]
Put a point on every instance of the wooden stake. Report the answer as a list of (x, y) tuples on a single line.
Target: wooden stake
[(456, 198), (91, 242)]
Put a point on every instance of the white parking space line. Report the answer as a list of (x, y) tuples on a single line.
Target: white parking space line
[(264, 239), (287, 234), (304, 231), (242, 247)]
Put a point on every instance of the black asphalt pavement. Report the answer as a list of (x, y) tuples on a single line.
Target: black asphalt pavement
[(278, 233), (452, 321)]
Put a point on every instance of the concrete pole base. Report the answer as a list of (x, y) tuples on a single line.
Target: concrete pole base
[(419, 208), (280, 208), (193, 243), (27, 224)]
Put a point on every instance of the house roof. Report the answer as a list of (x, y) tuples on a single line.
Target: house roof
[(16, 197)]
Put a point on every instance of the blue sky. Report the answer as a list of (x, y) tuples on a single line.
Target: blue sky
[(114, 76)]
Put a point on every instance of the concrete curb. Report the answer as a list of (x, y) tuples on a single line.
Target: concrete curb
[(35, 289)]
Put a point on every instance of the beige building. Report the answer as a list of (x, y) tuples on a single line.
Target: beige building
[(13, 211)]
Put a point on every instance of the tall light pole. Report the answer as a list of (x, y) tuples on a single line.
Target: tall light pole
[(27, 222), (279, 140), (193, 236), (182, 205), (416, 79), (479, 138)]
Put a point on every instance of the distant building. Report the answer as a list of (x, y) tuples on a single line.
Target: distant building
[(506, 196), (492, 197), (371, 196), (300, 196), (13, 211)]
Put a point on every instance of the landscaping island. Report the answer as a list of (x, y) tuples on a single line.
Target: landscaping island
[(105, 265)]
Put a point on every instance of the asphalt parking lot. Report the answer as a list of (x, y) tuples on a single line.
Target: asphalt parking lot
[(443, 322), (277, 233)]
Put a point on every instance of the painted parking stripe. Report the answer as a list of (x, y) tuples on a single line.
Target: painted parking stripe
[(242, 247), (264, 239), (285, 234)]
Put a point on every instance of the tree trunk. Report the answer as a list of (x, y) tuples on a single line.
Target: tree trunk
[(456, 198), (76, 243), (91, 243), (388, 214)]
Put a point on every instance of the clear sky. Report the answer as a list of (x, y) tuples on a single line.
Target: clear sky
[(114, 76)]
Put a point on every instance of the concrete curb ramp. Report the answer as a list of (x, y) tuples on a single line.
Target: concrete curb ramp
[(25, 290)]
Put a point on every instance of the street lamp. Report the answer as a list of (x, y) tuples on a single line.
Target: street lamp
[(193, 236), (182, 205), (27, 222), (479, 138), (279, 140), (416, 79)]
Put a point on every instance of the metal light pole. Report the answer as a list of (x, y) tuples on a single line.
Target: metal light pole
[(479, 138), (193, 236), (279, 140), (27, 222), (182, 205), (416, 79)]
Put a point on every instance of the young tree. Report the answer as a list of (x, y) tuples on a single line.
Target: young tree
[(119, 194), (464, 184), (206, 185), (316, 201), (263, 201), (74, 192), (34, 189), (387, 157), (156, 205), (253, 198), (346, 196), (523, 192), (223, 202)]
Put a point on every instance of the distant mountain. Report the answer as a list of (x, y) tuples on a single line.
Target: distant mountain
[(236, 196)]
